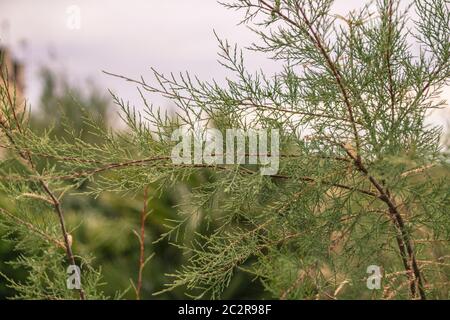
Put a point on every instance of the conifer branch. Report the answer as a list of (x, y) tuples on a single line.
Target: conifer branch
[(33, 229), (28, 161)]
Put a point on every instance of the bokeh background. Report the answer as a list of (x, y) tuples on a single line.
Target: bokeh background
[(128, 38), (63, 71)]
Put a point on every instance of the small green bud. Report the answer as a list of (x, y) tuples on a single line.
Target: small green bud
[(276, 8)]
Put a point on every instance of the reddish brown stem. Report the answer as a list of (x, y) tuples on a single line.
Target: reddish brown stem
[(142, 245)]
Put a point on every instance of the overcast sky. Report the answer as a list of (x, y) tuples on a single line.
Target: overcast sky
[(126, 37)]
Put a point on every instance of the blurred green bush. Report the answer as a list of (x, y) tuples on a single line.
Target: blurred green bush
[(104, 225)]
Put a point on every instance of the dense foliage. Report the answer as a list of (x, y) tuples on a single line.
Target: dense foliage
[(363, 179)]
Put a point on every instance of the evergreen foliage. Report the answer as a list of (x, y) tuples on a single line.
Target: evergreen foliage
[(362, 181)]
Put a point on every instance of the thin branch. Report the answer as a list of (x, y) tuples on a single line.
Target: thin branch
[(141, 238), (404, 242), (303, 113), (33, 229), (54, 199), (332, 66), (391, 88), (417, 170)]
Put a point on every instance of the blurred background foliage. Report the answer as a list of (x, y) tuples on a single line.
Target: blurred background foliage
[(103, 226)]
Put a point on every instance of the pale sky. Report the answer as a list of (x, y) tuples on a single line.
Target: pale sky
[(127, 37)]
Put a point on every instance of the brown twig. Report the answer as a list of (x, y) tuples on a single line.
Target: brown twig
[(332, 66), (141, 162), (28, 161), (141, 237), (417, 170), (404, 241)]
